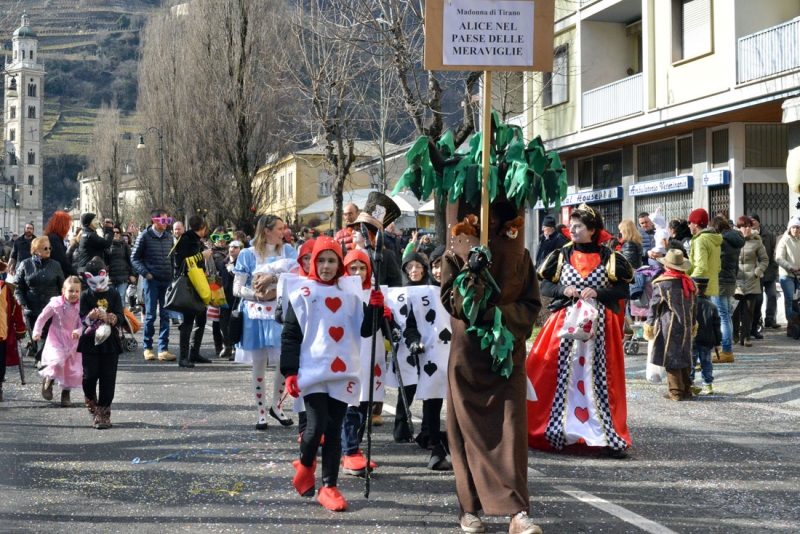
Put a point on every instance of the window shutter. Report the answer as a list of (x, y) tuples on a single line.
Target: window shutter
[(696, 27)]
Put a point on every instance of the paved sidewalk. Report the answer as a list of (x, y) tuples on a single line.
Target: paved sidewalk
[(728, 463)]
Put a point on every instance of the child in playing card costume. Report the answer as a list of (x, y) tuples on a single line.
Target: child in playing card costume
[(98, 307), (423, 358), (581, 385), (357, 264), (324, 321)]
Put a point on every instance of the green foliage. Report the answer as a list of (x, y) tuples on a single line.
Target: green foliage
[(123, 22), (60, 181)]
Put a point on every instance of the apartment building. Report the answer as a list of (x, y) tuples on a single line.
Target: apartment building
[(672, 103)]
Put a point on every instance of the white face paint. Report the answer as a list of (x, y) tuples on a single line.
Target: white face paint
[(358, 237)]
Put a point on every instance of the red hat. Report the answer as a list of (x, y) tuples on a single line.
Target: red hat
[(699, 217)]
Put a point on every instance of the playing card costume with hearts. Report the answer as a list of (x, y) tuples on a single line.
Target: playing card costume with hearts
[(330, 317), (580, 383), (324, 321), (261, 333)]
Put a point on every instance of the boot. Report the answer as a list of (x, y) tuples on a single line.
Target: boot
[(91, 404), (724, 357), (47, 389), (65, 402), (792, 326), (305, 478), (218, 348), (228, 354), (102, 417), (196, 358), (184, 362), (439, 461), (331, 499)]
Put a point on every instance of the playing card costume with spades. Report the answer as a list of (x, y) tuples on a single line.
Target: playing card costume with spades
[(581, 382), (320, 345)]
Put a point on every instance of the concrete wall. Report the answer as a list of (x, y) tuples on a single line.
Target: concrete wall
[(564, 118), (751, 16), (606, 54)]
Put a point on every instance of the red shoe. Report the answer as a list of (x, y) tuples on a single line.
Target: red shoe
[(355, 464), (330, 498), (304, 479)]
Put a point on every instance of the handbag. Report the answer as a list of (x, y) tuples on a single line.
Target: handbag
[(182, 297), (218, 299), (198, 280), (235, 324), (580, 322), (133, 325)]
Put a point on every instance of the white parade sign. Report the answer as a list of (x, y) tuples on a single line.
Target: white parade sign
[(477, 32)]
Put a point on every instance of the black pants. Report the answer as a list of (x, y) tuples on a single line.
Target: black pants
[(220, 329), (401, 432), (353, 433), (30, 321), (743, 316), (102, 368), (191, 329), (431, 420), (324, 415)]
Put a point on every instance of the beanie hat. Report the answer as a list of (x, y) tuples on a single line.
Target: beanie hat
[(756, 218), (550, 221), (699, 217), (794, 221), (87, 218)]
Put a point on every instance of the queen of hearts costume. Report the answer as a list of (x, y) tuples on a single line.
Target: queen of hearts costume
[(580, 385), (261, 334)]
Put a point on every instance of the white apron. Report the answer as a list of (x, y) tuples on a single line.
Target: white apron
[(379, 381)]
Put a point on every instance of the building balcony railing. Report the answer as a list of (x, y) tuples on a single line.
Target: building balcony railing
[(769, 52), (613, 101)]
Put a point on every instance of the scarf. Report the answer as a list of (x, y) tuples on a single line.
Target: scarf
[(688, 285)]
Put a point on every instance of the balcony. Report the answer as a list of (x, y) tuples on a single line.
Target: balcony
[(769, 52), (616, 100)]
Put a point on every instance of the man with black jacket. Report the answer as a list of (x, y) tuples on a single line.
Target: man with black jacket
[(21, 248), (91, 244), (549, 240), (767, 281), (150, 258)]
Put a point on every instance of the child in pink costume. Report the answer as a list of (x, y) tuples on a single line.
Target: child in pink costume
[(62, 361)]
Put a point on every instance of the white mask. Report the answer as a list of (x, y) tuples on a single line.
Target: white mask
[(97, 282)]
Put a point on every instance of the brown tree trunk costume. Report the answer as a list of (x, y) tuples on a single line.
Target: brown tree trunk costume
[(486, 412)]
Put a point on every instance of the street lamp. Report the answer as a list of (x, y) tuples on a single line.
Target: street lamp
[(160, 151)]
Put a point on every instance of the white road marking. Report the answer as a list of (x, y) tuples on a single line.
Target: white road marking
[(392, 411), (615, 510)]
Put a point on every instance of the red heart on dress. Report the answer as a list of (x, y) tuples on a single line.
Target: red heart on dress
[(338, 366), (336, 332), (582, 414), (570, 329), (584, 313), (258, 395), (582, 360), (262, 412), (269, 308), (587, 327), (259, 379), (333, 304), (581, 387), (578, 305), (378, 371)]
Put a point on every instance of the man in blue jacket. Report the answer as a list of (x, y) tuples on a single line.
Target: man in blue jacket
[(150, 258)]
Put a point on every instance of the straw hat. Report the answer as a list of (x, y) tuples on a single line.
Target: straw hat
[(675, 260)]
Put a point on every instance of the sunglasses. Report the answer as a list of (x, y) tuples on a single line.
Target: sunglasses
[(116, 231), (221, 237), (46, 248), (162, 220)]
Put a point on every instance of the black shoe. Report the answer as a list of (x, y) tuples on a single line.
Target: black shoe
[(175, 322), (184, 362), (771, 323), (285, 421), (439, 461), (614, 453), (262, 426), (199, 359), (756, 335)]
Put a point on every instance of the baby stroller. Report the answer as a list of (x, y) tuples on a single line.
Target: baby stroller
[(127, 330), (634, 335)]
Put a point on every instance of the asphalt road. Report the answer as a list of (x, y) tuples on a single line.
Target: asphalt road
[(728, 463)]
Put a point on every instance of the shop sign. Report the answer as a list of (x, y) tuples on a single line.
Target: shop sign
[(719, 177), (655, 187), (597, 195)]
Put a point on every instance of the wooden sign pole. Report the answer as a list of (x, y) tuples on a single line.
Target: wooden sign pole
[(487, 156)]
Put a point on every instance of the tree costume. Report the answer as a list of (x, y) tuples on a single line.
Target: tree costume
[(493, 297)]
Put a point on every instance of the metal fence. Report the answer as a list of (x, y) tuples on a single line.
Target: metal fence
[(612, 215), (771, 203), (769, 52), (613, 101), (720, 201), (676, 205)]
